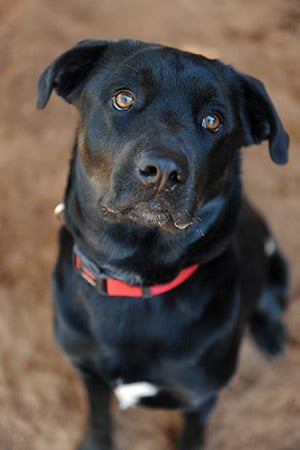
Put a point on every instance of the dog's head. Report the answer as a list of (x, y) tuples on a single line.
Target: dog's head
[(160, 129)]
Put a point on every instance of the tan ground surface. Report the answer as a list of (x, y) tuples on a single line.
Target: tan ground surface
[(41, 402)]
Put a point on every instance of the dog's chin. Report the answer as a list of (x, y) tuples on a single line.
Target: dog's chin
[(150, 215)]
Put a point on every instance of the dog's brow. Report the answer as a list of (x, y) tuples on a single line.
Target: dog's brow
[(146, 77)]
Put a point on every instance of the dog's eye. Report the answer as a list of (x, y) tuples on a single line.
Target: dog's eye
[(211, 122), (123, 100)]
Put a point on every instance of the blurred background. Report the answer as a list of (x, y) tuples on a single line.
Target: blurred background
[(42, 405)]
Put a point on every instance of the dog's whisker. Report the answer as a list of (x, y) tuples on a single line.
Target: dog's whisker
[(199, 230)]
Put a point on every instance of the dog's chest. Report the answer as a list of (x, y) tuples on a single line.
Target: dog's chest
[(152, 364)]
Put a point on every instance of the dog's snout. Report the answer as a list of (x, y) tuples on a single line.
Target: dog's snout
[(161, 171)]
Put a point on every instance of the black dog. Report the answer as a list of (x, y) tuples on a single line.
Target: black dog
[(163, 263)]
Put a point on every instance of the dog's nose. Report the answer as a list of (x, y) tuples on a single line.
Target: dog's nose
[(161, 171)]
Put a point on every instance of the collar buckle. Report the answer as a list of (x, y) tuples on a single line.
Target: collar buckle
[(88, 270)]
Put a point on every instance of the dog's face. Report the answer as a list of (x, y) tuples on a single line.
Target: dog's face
[(160, 129)]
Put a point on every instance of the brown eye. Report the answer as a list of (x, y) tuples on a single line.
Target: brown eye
[(211, 122), (123, 100)]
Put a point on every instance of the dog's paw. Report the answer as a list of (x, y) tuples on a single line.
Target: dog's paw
[(94, 442), (269, 336)]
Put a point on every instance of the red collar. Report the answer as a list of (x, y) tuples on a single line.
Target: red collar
[(106, 285)]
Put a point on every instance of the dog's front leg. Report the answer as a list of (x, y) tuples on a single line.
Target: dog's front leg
[(98, 436), (192, 436)]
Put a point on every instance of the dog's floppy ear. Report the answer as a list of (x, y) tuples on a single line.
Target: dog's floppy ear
[(260, 120), (69, 70)]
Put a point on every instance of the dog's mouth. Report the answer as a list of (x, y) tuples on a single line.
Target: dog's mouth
[(151, 214)]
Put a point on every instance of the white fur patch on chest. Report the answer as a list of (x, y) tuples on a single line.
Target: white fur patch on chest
[(130, 394)]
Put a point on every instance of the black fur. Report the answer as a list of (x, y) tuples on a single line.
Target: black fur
[(151, 191)]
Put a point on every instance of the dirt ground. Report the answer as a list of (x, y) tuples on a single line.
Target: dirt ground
[(42, 405)]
